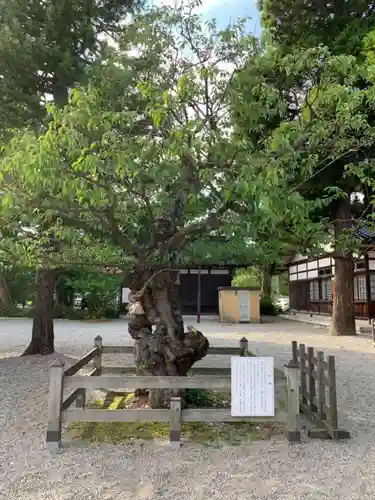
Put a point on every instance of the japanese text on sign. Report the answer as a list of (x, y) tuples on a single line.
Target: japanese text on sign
[(253, 393)]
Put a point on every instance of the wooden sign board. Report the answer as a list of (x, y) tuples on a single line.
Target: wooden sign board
[(253, 391)]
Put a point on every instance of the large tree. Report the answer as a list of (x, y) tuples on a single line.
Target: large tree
[(313, 123), (145, 158), (45, 48)]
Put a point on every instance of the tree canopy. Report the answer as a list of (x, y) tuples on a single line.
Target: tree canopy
[(340, 25)]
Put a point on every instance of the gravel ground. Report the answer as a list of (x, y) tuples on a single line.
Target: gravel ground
[(263, 470)]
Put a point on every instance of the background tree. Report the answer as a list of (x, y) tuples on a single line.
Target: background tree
[(339, 25), (45, 48), (299, 103)]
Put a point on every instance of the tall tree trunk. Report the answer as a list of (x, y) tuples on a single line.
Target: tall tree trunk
[(6, 301), (64, 294), (42, 337), (267, 281), (343, 319), (168, 349)]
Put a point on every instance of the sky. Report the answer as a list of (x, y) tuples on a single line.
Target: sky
[(224, 11)]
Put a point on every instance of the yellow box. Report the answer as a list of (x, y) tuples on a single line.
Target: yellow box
[(239, 305)]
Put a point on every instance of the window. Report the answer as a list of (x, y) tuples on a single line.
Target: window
[(324, 271), (360, 287), (326, 289), (372, 286), (314, 290)]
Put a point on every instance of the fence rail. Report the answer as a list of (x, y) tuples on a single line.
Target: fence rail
[(221, 351), (60, 410), (317, 391), (164, 415)]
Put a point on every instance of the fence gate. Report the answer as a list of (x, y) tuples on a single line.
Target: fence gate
[(317, 392)]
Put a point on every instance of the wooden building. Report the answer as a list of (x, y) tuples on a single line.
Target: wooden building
[(199, 287), (311, 284)]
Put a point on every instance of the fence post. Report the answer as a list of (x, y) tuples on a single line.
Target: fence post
[(175, 422), (311, 379), (303, 387), (244, 347), (373, 333), (97, 360), (294, 352), (293, 431), (332, 396), (322, 387), (55, 398)]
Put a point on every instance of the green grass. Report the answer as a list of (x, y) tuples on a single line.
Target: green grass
[(217, 434)]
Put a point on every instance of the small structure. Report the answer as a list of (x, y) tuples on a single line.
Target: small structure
[(239, 305)]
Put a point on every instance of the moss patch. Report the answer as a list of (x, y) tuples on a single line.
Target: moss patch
[(210, 434)]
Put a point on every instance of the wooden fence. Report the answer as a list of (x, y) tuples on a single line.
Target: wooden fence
[(60, 411), (317, 391)]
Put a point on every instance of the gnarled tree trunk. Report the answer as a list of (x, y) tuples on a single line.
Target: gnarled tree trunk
[(42, 337), (343, 318), (161, 346)]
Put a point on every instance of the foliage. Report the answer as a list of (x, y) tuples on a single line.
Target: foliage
[(44, 49), (317, 125), (268, 307), (203, 398), (143, 162), (249, 277), (21, 284), (338, 25), (99, 292)]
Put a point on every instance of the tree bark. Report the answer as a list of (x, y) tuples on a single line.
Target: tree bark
[(161, 346), (42, 337), (64, 294), (6, 300), (267, 281), (343, 318)]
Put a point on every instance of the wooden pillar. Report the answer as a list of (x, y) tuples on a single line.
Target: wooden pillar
[(199, 296), (97, 359), (302, 373), (55, 399), (175, 422), (322, 387), (332, 396), (293, 430), (368, 287)]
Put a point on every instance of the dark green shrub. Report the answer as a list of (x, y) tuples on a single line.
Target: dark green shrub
[(268, 308), (198, 398), (17, 312)]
